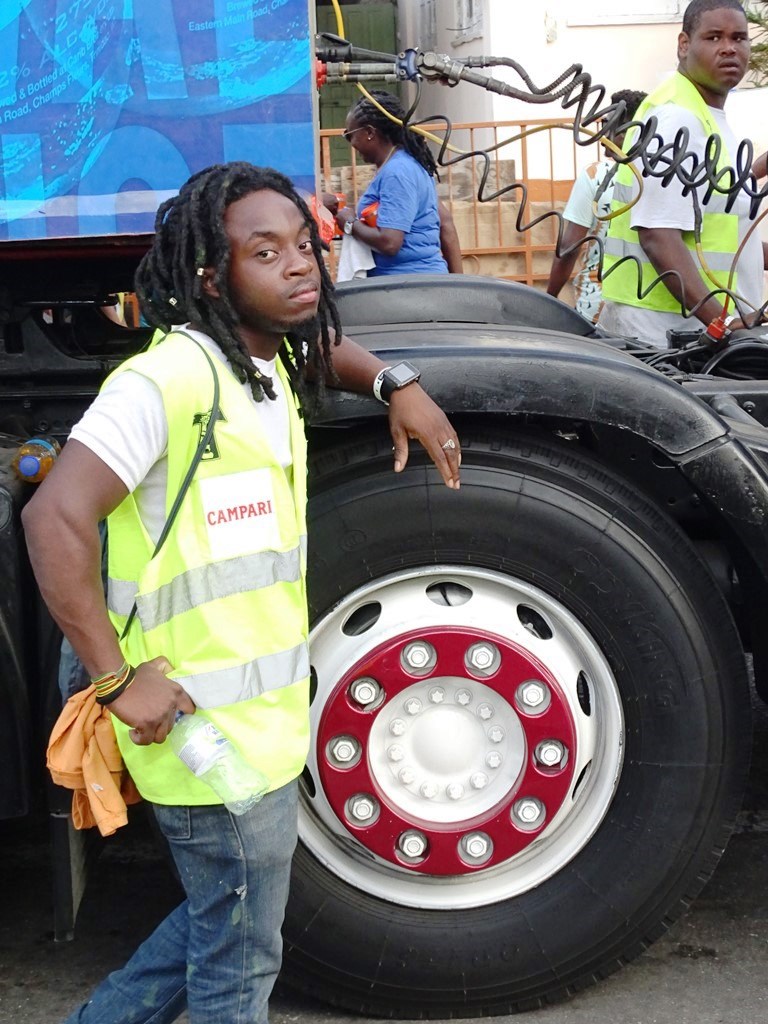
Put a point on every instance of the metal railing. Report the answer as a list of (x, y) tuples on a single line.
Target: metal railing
[(543, 157)]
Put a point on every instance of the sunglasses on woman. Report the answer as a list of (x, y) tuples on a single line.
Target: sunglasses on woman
[(348, 134)]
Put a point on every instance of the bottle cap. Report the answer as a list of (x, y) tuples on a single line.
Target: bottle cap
[(29, 465)]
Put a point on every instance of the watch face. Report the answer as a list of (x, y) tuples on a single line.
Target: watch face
[(401, 374)]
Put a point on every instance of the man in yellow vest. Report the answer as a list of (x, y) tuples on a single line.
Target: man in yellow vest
[(659, 230), (211, 614)]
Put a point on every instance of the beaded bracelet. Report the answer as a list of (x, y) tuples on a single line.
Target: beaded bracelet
[(111, 685)]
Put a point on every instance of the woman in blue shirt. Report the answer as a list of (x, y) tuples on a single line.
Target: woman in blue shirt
[(413, 233)]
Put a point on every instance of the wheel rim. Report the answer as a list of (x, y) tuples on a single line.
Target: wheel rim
[(467, 738)]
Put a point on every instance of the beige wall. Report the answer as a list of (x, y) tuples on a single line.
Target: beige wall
[(616, 56)]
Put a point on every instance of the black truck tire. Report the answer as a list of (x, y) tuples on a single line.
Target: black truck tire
[(485, 832)]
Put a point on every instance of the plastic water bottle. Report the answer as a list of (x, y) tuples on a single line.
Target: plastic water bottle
[(35, 458), (209, 755)]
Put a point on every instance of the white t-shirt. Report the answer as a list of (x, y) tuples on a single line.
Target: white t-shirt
[(660, 207), (126, 428), (580, 209)]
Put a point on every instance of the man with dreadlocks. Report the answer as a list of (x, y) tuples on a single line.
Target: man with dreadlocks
[(221, 619), (410, 232)]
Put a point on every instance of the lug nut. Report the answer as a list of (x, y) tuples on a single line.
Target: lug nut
[(419, 656), (363, 808), (412, 844), (365, 691), (483, 658), (476, 845), (528, 811), (344, 749), (550, 753), (533, 694)]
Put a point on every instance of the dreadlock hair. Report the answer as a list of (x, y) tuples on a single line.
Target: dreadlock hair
[(368, 113), (190, 235), (696, 8)]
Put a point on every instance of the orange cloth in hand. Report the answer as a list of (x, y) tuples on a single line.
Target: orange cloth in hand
[(83, 755)]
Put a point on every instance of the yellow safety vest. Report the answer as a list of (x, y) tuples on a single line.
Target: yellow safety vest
[(225, 598), (719, 230)]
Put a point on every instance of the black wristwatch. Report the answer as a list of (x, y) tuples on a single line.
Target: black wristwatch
[(393, 378)]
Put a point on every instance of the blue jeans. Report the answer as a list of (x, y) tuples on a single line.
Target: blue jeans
[(219, 952)]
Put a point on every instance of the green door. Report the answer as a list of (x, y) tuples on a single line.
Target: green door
[(373, 27)]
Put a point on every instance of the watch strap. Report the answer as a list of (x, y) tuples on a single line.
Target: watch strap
[(394, 378), (378, 380)]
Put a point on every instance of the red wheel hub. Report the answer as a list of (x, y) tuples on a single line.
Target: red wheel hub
[(446, 750)]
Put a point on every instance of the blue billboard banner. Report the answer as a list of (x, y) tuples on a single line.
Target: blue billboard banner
[(107, 106)]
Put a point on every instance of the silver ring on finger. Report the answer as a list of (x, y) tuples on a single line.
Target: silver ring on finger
[(449, 445)]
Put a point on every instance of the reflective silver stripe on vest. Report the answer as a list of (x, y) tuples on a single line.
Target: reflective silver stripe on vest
[(206, 583), (623, 194), (244, 682), (120, 596), (618, 247)]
